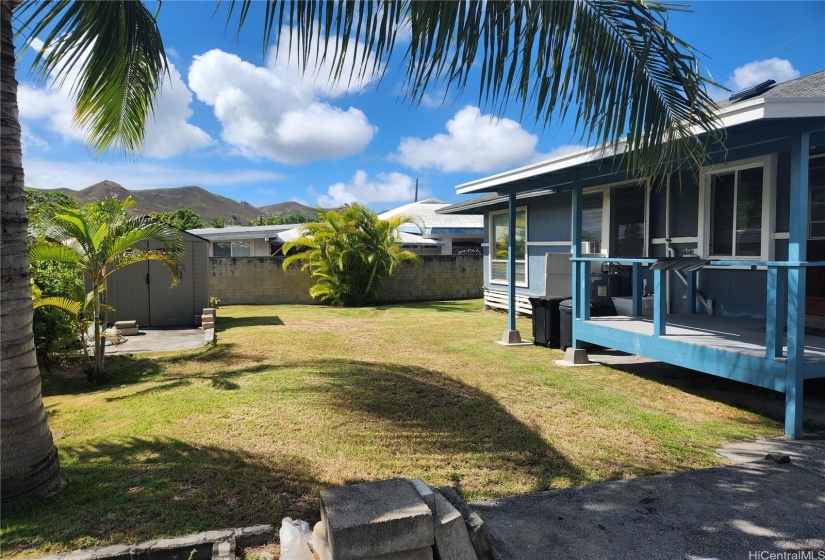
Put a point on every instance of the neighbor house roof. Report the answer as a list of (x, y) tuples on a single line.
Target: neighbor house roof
[(406, 238), (799, 98), (231, 233), (429, 221)]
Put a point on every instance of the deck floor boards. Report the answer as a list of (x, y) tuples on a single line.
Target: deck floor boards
[(741, 336)]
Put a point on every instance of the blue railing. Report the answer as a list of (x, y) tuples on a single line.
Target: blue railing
[(784, 284)]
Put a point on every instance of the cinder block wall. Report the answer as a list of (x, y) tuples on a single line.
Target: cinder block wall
[(261, 280)]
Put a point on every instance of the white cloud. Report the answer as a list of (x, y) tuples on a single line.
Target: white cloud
[(317, 78), (758, 71), (269, 112), (49, 106), (385, 187), (168, 132), (558, 152), (50, 174), (474, 142)]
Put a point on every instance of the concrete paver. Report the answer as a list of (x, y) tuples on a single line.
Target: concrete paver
[(723, 513)]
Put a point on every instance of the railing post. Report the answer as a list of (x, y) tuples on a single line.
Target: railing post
[(659, 303), (775, 313), (584, 310), (636, 280)]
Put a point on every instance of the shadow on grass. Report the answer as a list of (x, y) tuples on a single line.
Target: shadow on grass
[(135, 489), (225, 323), (432, 413), (737, 394), (129, 369), (450, 306)]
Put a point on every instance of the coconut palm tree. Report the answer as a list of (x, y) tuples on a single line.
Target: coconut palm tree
[(99, 239), (120, 69), (350, 252), (612, 65)]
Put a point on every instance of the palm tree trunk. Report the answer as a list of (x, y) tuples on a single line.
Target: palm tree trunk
[(97, 370), (30, 465)]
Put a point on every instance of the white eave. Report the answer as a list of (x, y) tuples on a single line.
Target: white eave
[(739, 113)]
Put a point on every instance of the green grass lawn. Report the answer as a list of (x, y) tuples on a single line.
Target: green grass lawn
[(294, 399)]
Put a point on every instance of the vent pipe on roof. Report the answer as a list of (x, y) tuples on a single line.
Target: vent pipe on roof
[(758, 89), (416, 190)]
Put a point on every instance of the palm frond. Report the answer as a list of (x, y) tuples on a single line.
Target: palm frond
[(612, 66), (116, 52)]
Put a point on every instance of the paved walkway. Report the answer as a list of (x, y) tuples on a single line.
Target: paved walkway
[(733, 512), (159, 340)]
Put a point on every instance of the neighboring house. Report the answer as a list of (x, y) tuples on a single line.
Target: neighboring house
[(431, 233), (242, 241), (454, 233), (409, 241), (143, 291), (753, 220)]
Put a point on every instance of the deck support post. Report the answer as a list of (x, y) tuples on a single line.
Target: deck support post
[(797, 253), (636, 281), (659, 303), (511, 335), (578, 267)]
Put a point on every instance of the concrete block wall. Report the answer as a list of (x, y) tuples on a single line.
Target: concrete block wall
[(438, 277), (258, 280), (261, 280)]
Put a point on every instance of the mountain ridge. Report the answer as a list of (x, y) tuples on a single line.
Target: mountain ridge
[(207, 205)]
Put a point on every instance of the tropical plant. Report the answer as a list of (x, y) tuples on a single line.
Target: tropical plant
[(350, 252), (281, 220), (614, 66), (65, 333), (182, 218), (99, 239)]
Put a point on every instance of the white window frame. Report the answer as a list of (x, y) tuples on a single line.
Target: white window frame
[(232, 245), (607, 212), (811, 189), (492, 246), (766, 246)]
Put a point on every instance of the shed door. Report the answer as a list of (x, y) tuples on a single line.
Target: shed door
[(128, 293), (168, 305)]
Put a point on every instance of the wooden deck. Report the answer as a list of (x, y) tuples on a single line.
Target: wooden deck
[(739, 336)]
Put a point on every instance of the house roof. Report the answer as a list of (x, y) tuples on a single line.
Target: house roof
[(429, 221), (799, 98), (406, 238), (478, 204), (233, 233)]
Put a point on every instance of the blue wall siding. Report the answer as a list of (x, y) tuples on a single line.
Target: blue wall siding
[(736, 293), (548, 219)]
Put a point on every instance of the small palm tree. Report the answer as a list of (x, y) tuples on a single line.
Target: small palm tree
[(98, 239), (351, 252)]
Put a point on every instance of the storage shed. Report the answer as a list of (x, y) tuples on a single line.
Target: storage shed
[(143, 291)]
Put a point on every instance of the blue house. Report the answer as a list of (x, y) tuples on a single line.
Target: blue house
[(720, 270)]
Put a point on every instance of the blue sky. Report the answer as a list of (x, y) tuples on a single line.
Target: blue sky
[(246, 126)]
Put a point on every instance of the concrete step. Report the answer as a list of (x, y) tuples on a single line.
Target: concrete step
[(377, 519)]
